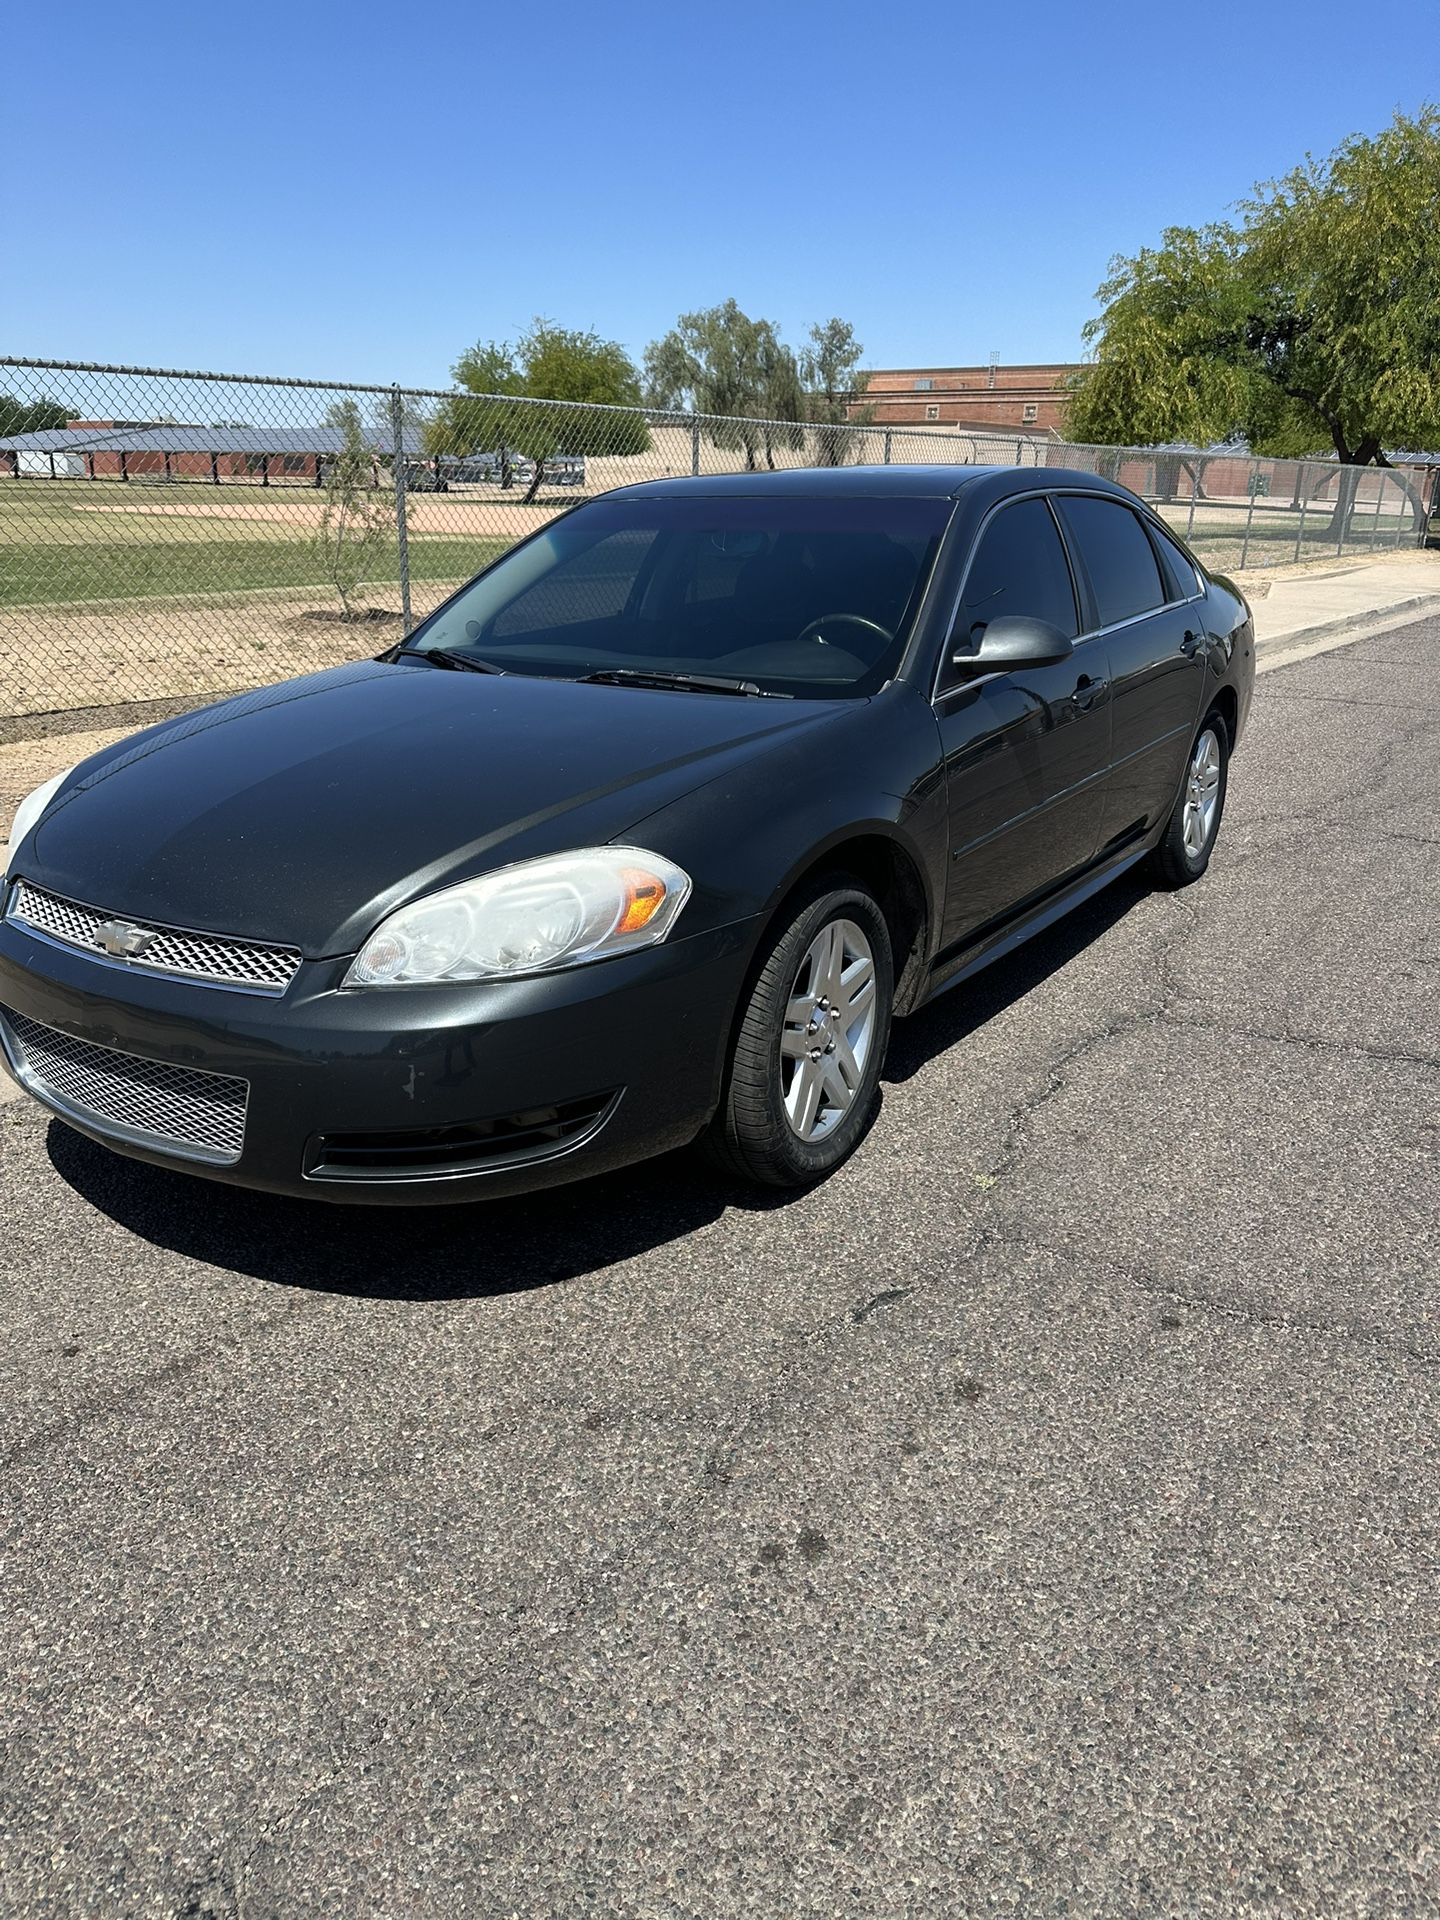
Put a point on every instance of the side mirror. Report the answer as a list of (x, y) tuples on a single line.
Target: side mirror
[(1013, 640)]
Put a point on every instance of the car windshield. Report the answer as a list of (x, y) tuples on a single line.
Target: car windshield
[(808, 597)]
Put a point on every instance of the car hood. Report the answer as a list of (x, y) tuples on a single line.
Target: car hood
[(301, 813)]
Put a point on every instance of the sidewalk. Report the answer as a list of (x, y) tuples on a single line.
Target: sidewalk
[(1298, 610), (1305, 608)]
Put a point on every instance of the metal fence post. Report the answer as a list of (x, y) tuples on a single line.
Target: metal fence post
[(1194, 496), (397, 456), (887, 446), (1304, 507), (694, 449), (1250, 515)]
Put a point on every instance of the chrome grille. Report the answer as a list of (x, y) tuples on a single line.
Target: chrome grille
[(199, 1115), (196, 956)]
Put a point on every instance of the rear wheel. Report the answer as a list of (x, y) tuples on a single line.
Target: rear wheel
[(800, 1091), (1184, 853)]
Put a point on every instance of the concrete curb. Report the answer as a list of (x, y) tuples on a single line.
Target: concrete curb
[(1301, 642)]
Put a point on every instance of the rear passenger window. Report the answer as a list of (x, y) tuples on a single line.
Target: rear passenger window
[(1183, 584), (1019, 567), (1118, 557)]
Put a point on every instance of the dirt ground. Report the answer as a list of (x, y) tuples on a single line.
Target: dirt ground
[(68, 658)]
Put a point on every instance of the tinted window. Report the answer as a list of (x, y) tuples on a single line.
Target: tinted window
[(592, 584), (1183, 584), (1019, 567), (1118, 557), (809, 596)]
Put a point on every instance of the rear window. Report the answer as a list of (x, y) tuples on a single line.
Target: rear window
[(1117, 555)]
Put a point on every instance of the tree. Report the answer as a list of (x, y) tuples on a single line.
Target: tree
[(357, 519), (496, 410), (30, 416), (720, 362), (829, 367), (1313, 322)]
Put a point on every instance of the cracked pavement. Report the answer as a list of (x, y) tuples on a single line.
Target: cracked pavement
[(1041, 1517)]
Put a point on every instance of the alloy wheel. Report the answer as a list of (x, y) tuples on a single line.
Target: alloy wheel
[(1202, 794), (829, 1029)]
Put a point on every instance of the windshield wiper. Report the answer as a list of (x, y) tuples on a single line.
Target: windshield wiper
[(448, 657), (686, 682)]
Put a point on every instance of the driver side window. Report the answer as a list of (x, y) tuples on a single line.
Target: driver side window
[(1019, 567)]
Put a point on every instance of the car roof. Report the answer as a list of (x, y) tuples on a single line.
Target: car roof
[(933, 483), (872, 482)]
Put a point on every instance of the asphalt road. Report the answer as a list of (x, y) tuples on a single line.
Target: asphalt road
[(1040, 1518)]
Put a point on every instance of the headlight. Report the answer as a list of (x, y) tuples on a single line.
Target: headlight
[(31, 808), (530, 918)]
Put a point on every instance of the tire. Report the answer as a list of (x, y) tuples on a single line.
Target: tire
[(780, 1122), (1184, 852)]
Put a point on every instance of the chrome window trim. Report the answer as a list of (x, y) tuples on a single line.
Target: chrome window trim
[(1139, 508), (1051, 494), (1154, 520), (937, 694)]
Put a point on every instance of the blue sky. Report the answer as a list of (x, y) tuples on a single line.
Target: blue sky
[(360, 191)]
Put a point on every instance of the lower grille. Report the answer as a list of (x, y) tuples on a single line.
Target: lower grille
[(200, 1116), (476, 1146)]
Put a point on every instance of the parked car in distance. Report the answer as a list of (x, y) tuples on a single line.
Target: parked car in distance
[(471, 469), (565, 469), (422, 476), (645, 835)]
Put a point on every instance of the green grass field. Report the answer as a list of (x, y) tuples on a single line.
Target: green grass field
[(41, 573), (55, 549), (68, 543)]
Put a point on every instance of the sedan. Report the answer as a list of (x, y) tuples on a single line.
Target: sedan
[(645, 836)]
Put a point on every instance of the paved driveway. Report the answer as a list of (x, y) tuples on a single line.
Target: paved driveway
[(1041, 1517)]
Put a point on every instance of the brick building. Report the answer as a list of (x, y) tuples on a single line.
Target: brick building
[(129, 450), (983, 399)]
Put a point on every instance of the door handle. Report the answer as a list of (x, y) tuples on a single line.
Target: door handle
[(1087, 692), (1191, 644)]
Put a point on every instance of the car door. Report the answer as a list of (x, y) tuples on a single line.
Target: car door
[(1156, 643), (1026, 752)]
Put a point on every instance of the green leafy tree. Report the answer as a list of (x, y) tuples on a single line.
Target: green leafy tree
[(830, 370), (718, 361), (357, 521), (1312, 322), (30, 416), (494, 411)]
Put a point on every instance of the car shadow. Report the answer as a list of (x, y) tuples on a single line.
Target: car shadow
[(968, 1007), (477, 1251), (498, 1247)]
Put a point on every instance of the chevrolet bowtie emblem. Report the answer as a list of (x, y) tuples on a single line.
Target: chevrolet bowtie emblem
[(121, 940)]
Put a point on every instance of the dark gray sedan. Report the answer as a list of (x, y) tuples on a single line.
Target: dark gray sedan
[(644, 836)]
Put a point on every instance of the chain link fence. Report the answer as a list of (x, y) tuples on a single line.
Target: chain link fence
[(173, 536)]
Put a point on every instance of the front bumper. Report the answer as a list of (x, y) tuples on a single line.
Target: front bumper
[(396, 1095)]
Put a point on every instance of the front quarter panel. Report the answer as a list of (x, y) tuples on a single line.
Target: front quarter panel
[(748, 836)]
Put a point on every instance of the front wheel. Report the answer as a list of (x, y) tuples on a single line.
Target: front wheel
[(1184, 853), (800, 1090)]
